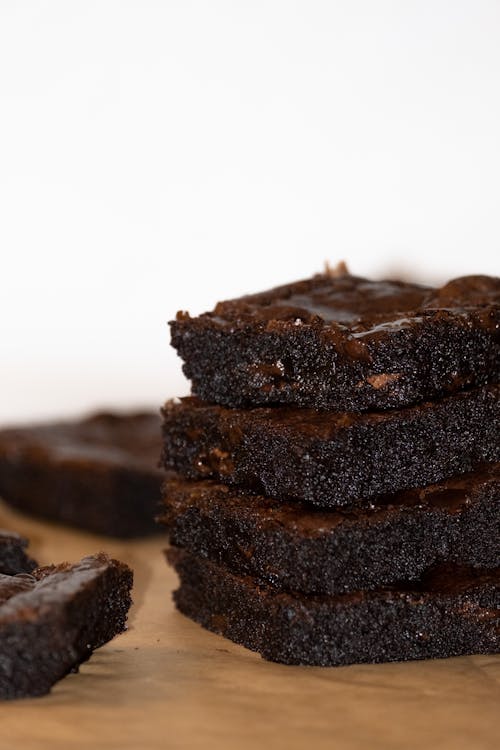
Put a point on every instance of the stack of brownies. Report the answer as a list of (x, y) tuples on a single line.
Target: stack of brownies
[(333, 494)]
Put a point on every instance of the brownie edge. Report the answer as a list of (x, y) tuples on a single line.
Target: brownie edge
[(98, 473), (453, 612), (332, 459), (52, 620), (295, 547), (341, 342)]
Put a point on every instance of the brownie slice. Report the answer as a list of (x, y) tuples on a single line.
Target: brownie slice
[(336, 341), (52, 620), (98, 474), (449, 612), (13, 557), (332, 459), (294, 547)]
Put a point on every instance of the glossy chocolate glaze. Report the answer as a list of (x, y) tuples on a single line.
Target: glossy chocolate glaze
[(357, 305)]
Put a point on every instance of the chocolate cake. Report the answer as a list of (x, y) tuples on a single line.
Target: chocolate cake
[(295, 547), (98, 474), (13, 557), (332, 459), (449, 612), (341, 342), (52, 620)]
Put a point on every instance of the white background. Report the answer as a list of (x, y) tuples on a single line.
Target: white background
[(162, 155)]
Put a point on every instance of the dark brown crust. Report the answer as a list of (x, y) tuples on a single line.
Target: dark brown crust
[(296, 548), (52, 620), (98, 474), (13, 557), (344, 343), (332, 459), (450, 613)]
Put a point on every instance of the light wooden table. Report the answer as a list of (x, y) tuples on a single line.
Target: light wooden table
[(167, 683)]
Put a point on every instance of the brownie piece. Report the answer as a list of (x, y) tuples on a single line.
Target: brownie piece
[(341, 342), (332, 459), (13, 557), (294, 547), (98, 474), (451, 611), (52, 620)]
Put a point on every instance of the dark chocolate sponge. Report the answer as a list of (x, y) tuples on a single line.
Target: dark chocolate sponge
[(98, 474), (297, 548), (451, 611), (52, 620), (345, 343), (13, 557), (332, 459)]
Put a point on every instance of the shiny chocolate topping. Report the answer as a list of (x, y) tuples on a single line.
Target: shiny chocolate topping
[(340, 299), (359, 306)]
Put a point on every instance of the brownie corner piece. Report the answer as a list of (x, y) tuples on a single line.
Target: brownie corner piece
[(99, 473), (52, 620), (337, 341)]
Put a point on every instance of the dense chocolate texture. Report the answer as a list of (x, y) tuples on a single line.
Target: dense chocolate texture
[(341, 342), (13, 557), (52, 620), (332, 459), (296, 548), (99, 474), (448, 613)]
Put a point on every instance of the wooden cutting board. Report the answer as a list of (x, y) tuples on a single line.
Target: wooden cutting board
[(167, 683)]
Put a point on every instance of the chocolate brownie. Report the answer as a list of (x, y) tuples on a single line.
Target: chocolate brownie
[(450, 611), (341, 342), (52, 620), (13, 557), (332, 459), (298, 548), (98, 474)]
